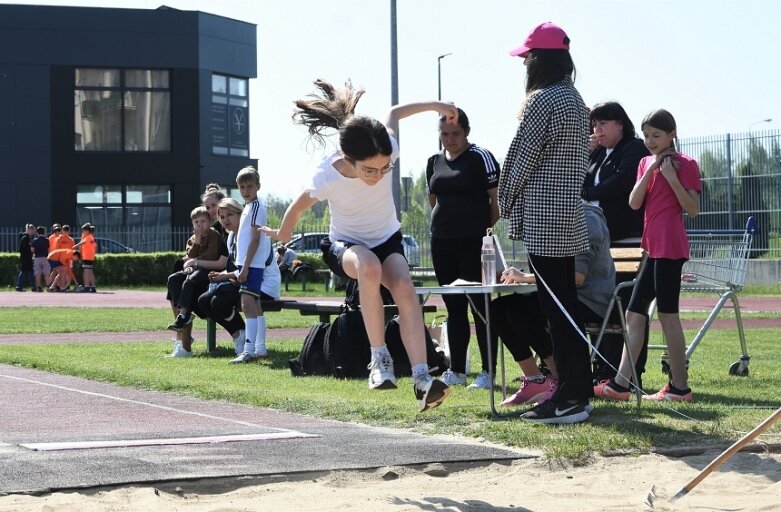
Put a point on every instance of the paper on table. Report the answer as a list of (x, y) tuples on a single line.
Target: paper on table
[(464, 282)]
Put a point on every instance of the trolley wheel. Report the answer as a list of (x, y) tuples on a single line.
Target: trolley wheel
[(738, 368)]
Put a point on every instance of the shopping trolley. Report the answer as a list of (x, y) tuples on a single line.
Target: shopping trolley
[(718, 264)]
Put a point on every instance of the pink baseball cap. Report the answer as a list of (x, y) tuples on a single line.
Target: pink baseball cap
[(545, 36)]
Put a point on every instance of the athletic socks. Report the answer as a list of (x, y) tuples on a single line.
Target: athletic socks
[(260, 336), (379, 352), (419, 370)]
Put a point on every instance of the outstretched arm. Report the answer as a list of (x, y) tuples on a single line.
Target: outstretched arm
[(289, 221), (398, 112)]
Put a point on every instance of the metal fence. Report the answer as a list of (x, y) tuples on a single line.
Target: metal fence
[(741, 177)]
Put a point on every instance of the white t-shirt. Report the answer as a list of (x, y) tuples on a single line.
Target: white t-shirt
[(253, 216), (360, 213), (272, 278)]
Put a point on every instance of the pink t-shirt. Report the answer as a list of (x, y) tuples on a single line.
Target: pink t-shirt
[(664, 231)]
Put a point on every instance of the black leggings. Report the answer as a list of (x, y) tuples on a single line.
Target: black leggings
[(569, 349), (517, 319), (661, 279), (220, 304), (456, 258)]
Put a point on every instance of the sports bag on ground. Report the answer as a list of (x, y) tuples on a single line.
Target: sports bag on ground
[(312, 360), (401, 365)]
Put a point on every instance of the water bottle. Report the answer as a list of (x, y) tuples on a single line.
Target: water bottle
[(488, 259)]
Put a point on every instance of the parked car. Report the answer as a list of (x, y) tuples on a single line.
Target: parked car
[(306, 242), (109, 246), (411, 250)]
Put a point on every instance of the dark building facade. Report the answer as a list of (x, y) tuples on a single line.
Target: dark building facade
[(119, 117)]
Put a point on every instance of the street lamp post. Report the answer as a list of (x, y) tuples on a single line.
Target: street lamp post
[(439, 74), (768, 120), (439, 84)]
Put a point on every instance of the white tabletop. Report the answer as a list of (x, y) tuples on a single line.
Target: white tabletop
[(469, 289)]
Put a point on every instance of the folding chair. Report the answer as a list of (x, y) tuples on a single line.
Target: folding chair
[(623, 260)]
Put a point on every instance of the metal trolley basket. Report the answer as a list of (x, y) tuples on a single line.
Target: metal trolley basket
[(718, 264)]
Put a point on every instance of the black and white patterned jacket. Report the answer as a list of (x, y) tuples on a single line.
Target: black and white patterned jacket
[(542, 176)]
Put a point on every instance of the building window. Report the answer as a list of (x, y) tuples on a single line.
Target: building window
[(230, 116), (122, 110), (138, 216)]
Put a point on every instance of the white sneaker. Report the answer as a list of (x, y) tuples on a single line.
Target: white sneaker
[(179, 351), (452, 378), (483, 381), (381, 374), (429, 392), (240, 341), (244, 357)]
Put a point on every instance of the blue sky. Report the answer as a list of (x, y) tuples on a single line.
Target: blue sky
[(716, 65)]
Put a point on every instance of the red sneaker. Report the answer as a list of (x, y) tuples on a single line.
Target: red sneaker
[(667, 394), (603, 390)]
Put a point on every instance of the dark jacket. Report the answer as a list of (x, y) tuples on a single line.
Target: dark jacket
[(617, 177)]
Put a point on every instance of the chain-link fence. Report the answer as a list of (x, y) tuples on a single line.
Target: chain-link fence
[(741, 177)]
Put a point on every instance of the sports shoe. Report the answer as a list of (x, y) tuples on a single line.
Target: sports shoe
[(483, 381), (179, 351), (181, 321), (80, 289), (666, 393), (552, 412), (451, 378), (381, 374), (20, 289), (239, 341), (532, 392), (603, 390), (429, 392), (244, 357), (92, 289)]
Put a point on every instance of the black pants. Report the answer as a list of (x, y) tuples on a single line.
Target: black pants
[(220, 304), (518, 320), (569, 349), (184, 289), (456, 258)]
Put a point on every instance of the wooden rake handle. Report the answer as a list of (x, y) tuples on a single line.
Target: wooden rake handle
[(728, 453)]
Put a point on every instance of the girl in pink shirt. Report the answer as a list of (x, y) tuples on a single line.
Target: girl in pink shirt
[(668, 184)]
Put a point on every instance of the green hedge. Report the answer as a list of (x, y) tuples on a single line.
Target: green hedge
[(140, 269)]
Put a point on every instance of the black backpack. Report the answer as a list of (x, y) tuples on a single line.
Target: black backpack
[(347, 349), (401, 365), (312, 359)]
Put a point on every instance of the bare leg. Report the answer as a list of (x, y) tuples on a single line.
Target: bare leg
[(395, 277), (676, 349), (362, 264), (635, 326)]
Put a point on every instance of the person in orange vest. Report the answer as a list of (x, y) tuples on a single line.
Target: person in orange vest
[(88, 248), (60, 261)]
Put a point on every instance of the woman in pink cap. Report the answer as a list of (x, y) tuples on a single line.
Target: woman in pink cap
[(539, 192)]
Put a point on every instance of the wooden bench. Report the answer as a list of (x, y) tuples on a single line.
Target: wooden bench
[(211, 326), (326, 309), (627, 260)]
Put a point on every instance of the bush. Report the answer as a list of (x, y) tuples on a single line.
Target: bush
[(137, 269)]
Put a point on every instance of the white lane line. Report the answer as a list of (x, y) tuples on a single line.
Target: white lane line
[(123, 443), (148, 404)]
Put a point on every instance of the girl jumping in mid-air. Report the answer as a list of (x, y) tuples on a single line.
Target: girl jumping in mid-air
[(668, 184), (364, 241)]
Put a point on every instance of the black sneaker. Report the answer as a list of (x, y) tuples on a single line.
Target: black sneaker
[(551, 412), (181, 321)]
